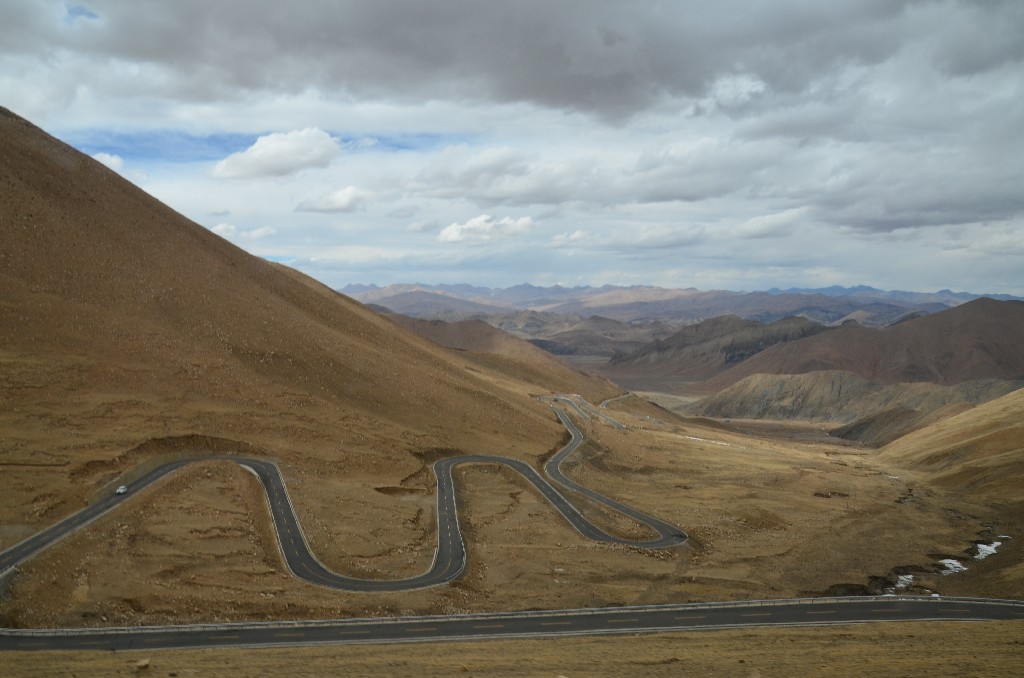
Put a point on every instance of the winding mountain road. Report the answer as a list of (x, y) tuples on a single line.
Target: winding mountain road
[(450, 554), (449, 562)]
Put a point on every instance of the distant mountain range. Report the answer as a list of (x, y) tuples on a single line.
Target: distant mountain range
[(876, 364), (942, 296), (830, 306), (877, 383)]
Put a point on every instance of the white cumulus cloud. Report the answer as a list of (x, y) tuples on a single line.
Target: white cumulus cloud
[(280, 154), (114, 162), (348, 199), (485, 227)]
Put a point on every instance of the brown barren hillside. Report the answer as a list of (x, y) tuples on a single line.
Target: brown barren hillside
[(510, 355), (597, 336), (981, 339), (123, 324), (980, 451), (871, 413), (698, 351), (839, 397)]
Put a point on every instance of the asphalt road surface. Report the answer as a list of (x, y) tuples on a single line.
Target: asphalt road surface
[(659, 618)]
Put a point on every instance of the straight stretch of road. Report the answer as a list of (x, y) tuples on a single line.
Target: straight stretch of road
[(450, 555), (660, 618)]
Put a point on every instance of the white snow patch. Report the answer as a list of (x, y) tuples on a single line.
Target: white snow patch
[(986, 550), (903, 582), (951, 566)]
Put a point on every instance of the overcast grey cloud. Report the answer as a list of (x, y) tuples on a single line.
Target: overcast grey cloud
[(736, 144)]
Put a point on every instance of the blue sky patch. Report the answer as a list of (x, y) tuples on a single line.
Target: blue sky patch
[(159, 146), (398, 143), (172, 146), (75, 12)]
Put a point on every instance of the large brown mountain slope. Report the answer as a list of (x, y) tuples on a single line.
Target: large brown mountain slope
[(872, 413), (122, 322), (699, 351), (597, 336), (982, 339), (980, 451), (509, 355)]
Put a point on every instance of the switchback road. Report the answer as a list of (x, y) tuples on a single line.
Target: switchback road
[(450, 554)]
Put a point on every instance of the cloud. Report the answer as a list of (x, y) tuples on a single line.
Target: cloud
[(563, 239), (658, 240), (348, 199), (259, 233), (404, 212), (671, 141), (508, 176), (602, 58), (699, 169), (230, 231), (278, 155), (423, 227), (770, 225), (485, 227), (114, 162)]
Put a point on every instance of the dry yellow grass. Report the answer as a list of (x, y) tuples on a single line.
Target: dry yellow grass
[(904, 649), (980, 450)]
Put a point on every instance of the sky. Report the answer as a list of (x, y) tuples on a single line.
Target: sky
[(736, 145)]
